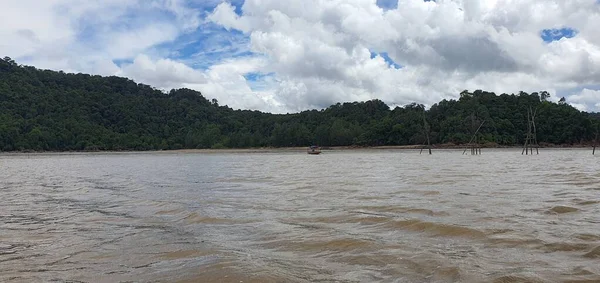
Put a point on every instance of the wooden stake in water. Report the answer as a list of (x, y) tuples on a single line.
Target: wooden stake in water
[(426, 130), (531, 136), (474, 150), (595, 143)]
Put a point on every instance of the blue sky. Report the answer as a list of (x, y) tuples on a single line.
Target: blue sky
[(549, 35), (387, 4), (200, 47)]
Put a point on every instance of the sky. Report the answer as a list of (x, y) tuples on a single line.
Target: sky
[(286, 56)]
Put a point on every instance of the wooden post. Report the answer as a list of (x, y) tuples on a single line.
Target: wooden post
[(534, 133), (595, 144), (531, 136), (426, 130), (474, 150)]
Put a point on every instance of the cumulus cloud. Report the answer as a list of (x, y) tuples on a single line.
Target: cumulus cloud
[(585, 99), (163, 73), (75, 35), (319, 49), (312, 53), (226, 82)]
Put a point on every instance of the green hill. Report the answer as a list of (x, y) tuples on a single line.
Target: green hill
[(49, 110)]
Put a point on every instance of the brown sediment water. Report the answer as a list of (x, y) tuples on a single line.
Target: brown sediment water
[(285, 216), (563, 209)]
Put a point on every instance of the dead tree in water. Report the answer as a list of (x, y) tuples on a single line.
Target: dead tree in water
[(595, 144), (531, 137), (474, 142), (426, 130)]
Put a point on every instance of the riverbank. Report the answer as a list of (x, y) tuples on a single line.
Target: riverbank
[(294, 149)]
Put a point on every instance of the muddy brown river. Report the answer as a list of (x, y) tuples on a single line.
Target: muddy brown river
[(342, 216)]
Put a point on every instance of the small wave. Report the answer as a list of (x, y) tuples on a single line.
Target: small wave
[(588, 237), (511, 242), (516, 279), (423, 192), (373, 197), (170, 212), (565, 247), (440, 182), (309, 226), (584, 183), (563, 194), (582, 281), (370, 220), (577, 179), (367, 220), (594, 253), (324, 219), (182, 254), (345, 244), (500, 231), (221, 272), (426, 212), (336, 245), (400, 209), (447, 274), (560, 209), (369, 260), (437, 229), (194, 218), (309, 188), (580, 271)]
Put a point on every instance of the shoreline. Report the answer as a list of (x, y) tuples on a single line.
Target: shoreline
[(284, 149)]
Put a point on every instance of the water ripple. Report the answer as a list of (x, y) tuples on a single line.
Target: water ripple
[(342, 216)]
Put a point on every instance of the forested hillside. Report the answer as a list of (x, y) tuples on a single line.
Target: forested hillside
[(48, 110)]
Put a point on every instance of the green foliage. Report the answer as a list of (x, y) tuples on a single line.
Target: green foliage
[(48, 110)]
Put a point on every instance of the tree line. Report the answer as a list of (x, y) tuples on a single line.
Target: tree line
[(50, 110)]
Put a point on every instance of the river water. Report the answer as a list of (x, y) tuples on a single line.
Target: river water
[(342, 216)]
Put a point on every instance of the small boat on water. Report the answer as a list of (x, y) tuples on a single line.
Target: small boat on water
[(314, 150)]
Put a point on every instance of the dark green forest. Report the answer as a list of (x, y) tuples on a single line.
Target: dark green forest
[(49, 110)]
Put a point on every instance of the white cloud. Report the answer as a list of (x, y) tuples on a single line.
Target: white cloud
[(162, 73), (75, 35), (128, 44), (226, 83), (225, 15), (585, 100), (319, 49), (318, 52), (24, 30)]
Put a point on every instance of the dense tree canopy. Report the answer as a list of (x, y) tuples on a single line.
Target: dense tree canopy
[(48, 110)]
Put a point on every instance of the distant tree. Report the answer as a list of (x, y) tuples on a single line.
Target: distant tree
[(9, 61), (465, 93), (544, 96), (562, 101)]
